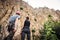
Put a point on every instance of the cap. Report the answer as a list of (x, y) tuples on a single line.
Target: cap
[(18, 12)]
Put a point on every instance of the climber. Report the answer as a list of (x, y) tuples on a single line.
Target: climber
[(26, 29), (13, 23)]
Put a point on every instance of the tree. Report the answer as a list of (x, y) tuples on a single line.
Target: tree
[(48, 32)]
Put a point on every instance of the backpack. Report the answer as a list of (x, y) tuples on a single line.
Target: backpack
[(10, 27), (12, 21)]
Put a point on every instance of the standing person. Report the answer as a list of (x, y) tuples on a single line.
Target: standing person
[(13, 20), (26, 29)]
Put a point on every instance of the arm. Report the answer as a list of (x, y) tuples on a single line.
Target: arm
[(16, 24)]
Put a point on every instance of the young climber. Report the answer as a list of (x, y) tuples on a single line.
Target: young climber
[(26, 29)]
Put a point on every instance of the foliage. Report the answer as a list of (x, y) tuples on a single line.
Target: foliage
[(57, 29), (21, 8), (35, 19), (33, 30), (49, 16), (0, 28), (49, 32)]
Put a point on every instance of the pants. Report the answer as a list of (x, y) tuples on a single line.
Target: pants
[(11, 26), (23, 35), (10, 36)]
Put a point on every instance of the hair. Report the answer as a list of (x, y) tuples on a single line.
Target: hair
[(27, 18), (17, 13)]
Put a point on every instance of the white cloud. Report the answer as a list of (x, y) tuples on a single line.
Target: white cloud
[(55, 4)]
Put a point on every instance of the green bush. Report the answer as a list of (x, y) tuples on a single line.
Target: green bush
[(0, 26), (35, 19), (33, 36), (21, 8), (57, 29), (33, 30), (49, 32)]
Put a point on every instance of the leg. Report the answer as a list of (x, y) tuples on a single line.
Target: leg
[(28, 36), (10, 36), (23, 36)]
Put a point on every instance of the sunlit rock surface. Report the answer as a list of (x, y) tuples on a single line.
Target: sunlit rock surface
[(37, 16)]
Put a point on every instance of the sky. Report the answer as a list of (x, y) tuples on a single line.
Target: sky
[(55, 4)]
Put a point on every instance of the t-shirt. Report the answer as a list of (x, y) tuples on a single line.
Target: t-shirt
[(27, 24), (13, 18), (26, 27)]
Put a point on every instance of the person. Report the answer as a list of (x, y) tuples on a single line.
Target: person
[(13, 20), (26, 29)]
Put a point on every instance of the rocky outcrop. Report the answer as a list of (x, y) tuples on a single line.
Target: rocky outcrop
[(37, 16)]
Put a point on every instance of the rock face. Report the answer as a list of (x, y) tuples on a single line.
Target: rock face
[(37, 16)]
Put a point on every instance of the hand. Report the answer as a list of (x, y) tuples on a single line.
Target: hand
[(14, 30), (21, 33)]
